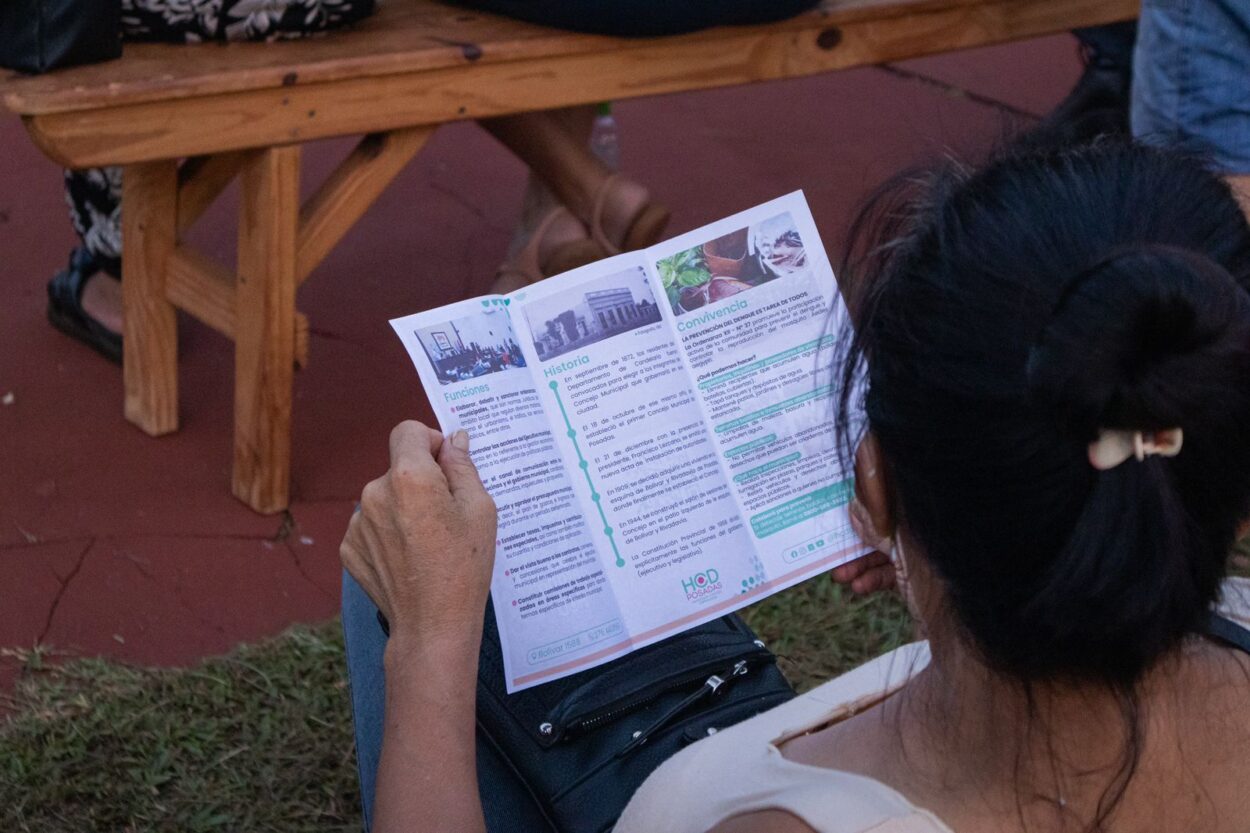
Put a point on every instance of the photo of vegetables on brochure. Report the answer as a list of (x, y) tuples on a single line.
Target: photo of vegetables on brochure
[(732, 263)]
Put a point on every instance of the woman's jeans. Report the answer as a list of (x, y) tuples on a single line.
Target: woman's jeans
[(1190, 83), (505, 802)]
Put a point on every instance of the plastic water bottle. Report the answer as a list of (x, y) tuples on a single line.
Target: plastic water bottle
[(605, 137)]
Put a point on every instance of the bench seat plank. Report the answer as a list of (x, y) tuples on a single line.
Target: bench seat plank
[(404, 36), (136, 128)]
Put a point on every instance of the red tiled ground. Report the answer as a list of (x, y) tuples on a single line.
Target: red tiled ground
[(114, 543)]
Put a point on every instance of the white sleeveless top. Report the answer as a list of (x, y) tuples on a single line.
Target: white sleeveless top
[(741, 769)]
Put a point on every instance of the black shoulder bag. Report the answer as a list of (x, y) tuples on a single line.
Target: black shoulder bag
[(584, 744)]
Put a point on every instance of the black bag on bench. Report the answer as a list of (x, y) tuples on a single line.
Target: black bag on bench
[(40, 35)]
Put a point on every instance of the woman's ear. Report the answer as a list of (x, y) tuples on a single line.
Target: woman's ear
[(1243, 528), (871, 487)]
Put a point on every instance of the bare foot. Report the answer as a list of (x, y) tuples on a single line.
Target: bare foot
[(102, 300)]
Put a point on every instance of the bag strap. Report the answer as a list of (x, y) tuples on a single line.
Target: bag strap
[(1228, 632)]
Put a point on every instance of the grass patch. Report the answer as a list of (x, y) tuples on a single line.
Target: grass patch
[(260, 740), (818, 630)]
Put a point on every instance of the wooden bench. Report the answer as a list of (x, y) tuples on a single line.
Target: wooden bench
[(186, 120)]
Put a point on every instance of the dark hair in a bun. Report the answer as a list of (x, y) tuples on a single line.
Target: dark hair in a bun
[(1010, 314)]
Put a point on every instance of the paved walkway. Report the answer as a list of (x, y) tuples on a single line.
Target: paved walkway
[(117, 544)]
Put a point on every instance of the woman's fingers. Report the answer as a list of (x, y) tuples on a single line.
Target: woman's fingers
[(414, 443), (422, 542), (847, 573), (353, 555), (866, 575), (462, 477), (854, 570), (879, 577)]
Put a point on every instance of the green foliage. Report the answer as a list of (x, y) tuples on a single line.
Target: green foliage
[(686, 268), (260, 740)]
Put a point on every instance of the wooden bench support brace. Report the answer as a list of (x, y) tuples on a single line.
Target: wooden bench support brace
[(349, 191), (201, 179), (201, 286)]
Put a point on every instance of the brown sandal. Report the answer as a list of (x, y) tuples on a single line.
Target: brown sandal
[(645, 228), (527, 267)]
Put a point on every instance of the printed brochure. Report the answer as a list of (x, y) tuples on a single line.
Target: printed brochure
[(656, 430)]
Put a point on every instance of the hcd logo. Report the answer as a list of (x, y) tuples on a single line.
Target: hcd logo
[(701, 585)]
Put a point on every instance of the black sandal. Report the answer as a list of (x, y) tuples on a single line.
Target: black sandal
[(65, 310)]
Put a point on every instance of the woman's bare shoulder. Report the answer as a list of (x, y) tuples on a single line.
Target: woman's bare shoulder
[(763, 821)]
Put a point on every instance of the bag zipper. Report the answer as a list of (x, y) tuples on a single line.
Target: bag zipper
[(711, 686), (597, 718)]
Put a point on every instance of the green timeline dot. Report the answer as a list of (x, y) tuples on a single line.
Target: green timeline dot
[(555, 385), (607, 530), (584, 464), (572, 433), (594, 496), (620, 562)]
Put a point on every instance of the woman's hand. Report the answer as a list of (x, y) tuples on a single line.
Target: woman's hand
[(871, 572), (423, 543), (422, 546)]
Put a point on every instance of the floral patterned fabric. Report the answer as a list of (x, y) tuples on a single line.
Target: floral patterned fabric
[(94, 195)]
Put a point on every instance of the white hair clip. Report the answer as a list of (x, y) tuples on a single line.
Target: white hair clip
[(1114, 446)]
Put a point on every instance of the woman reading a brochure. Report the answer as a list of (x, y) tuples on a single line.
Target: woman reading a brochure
[(1057, 464)]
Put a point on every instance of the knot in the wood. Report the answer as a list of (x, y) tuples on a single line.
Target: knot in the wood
[(829, 38)]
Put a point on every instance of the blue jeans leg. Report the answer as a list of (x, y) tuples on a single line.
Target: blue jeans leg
[(365, 645), (1190, 87), (505, 802)]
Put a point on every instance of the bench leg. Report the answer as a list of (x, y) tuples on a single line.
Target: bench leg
[(264, 344), (150, 328)]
